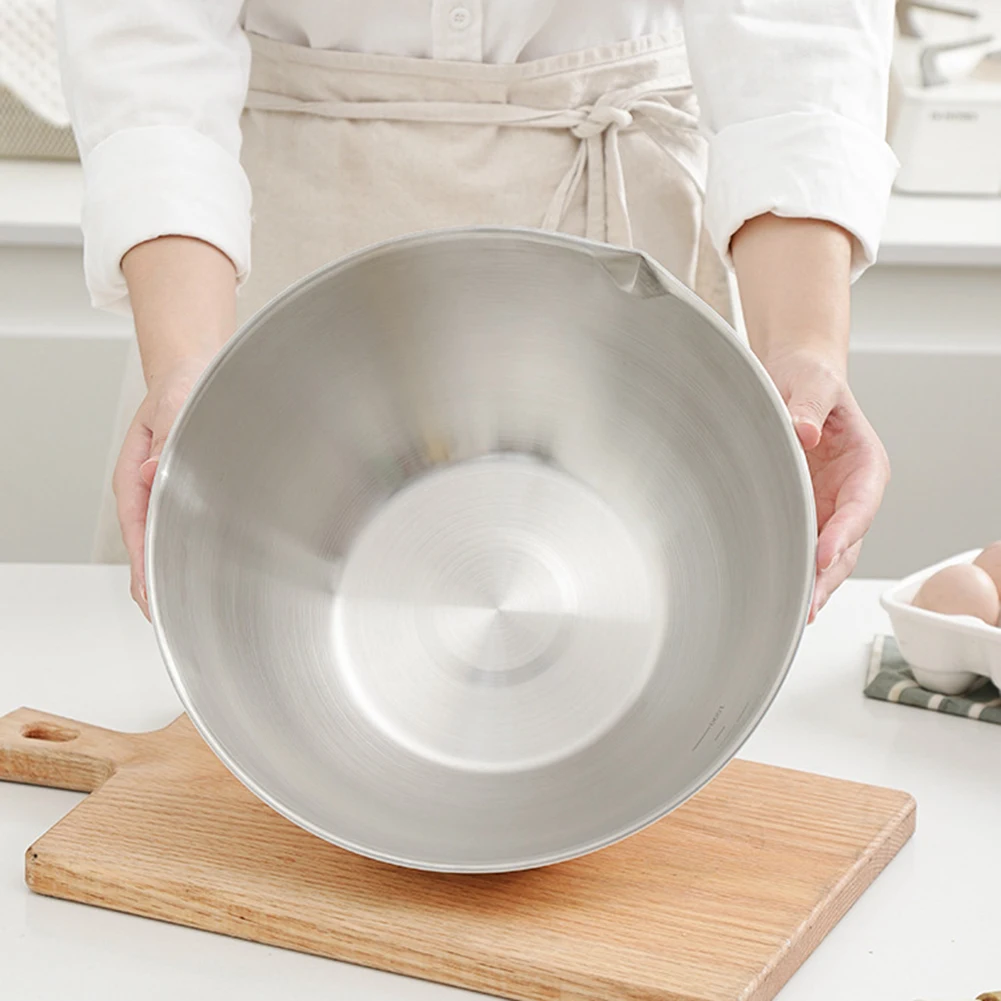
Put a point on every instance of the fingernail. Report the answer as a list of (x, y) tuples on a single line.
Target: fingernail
[(142, 591), (148, 471), (807, 431), (834, 560)]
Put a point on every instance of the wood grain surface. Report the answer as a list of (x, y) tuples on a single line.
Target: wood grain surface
[(720, 901)]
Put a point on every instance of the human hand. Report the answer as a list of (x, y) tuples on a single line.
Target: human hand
[(183, 294), (139, 457), (848, 464), (794, 276)]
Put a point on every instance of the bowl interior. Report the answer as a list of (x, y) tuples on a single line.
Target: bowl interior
[(404, 436)]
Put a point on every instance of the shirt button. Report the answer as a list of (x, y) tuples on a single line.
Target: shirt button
[(460, 18)]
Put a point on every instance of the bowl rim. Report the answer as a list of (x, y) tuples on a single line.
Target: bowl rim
[(672, 286)]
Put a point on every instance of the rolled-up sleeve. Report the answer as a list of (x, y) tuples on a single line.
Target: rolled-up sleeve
[(155, 89), (793, 94)]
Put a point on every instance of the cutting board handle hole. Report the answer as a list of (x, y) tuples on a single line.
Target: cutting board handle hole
[(49, 731)]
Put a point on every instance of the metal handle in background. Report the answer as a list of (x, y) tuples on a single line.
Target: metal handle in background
[(931, 72), (905, 14), (44, 750)]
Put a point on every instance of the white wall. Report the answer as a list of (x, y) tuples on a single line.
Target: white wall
[(926, 367), (60, 371)]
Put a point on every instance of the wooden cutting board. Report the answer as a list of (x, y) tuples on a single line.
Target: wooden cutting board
[(720, 901)]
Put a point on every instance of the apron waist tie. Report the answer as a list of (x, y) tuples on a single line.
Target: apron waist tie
[(646, 107)]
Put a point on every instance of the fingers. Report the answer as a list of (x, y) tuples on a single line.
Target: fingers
[(132, 496), (147, 470), (828, 581), (813, 394), (855, 509), (844, 528), (840, 540), (138, 460)]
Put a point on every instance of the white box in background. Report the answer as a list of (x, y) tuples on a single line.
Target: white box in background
[(945, 103)]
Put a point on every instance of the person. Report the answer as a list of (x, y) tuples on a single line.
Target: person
[(711, 133)]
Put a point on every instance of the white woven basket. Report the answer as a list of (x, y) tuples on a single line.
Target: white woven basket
[(24, 135)]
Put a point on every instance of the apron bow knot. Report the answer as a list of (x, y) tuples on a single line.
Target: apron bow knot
[(601, 117), (647, 107)]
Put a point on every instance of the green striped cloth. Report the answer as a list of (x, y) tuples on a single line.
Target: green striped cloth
[(890, 678)]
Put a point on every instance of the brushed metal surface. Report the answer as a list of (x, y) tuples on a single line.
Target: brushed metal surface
[(496, 615), (480, 549)]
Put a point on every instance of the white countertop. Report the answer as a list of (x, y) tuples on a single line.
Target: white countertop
[(943, 232), (40, 204), (929, 928)]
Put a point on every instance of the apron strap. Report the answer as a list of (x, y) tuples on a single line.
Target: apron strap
[(646, 107)]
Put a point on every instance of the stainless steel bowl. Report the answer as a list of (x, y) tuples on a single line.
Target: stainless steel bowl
[(480, 550)]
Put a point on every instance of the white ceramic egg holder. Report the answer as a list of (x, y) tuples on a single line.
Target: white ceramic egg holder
[(947, 653), (945, 102)]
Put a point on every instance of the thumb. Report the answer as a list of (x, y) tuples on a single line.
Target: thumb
[(148, 469), (813, 395)]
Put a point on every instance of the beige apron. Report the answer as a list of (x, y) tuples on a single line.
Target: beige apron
[(344, 150)]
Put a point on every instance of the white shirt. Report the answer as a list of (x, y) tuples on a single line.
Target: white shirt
[(792, 92)]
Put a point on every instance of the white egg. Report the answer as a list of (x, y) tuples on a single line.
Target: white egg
[(962, 589)]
